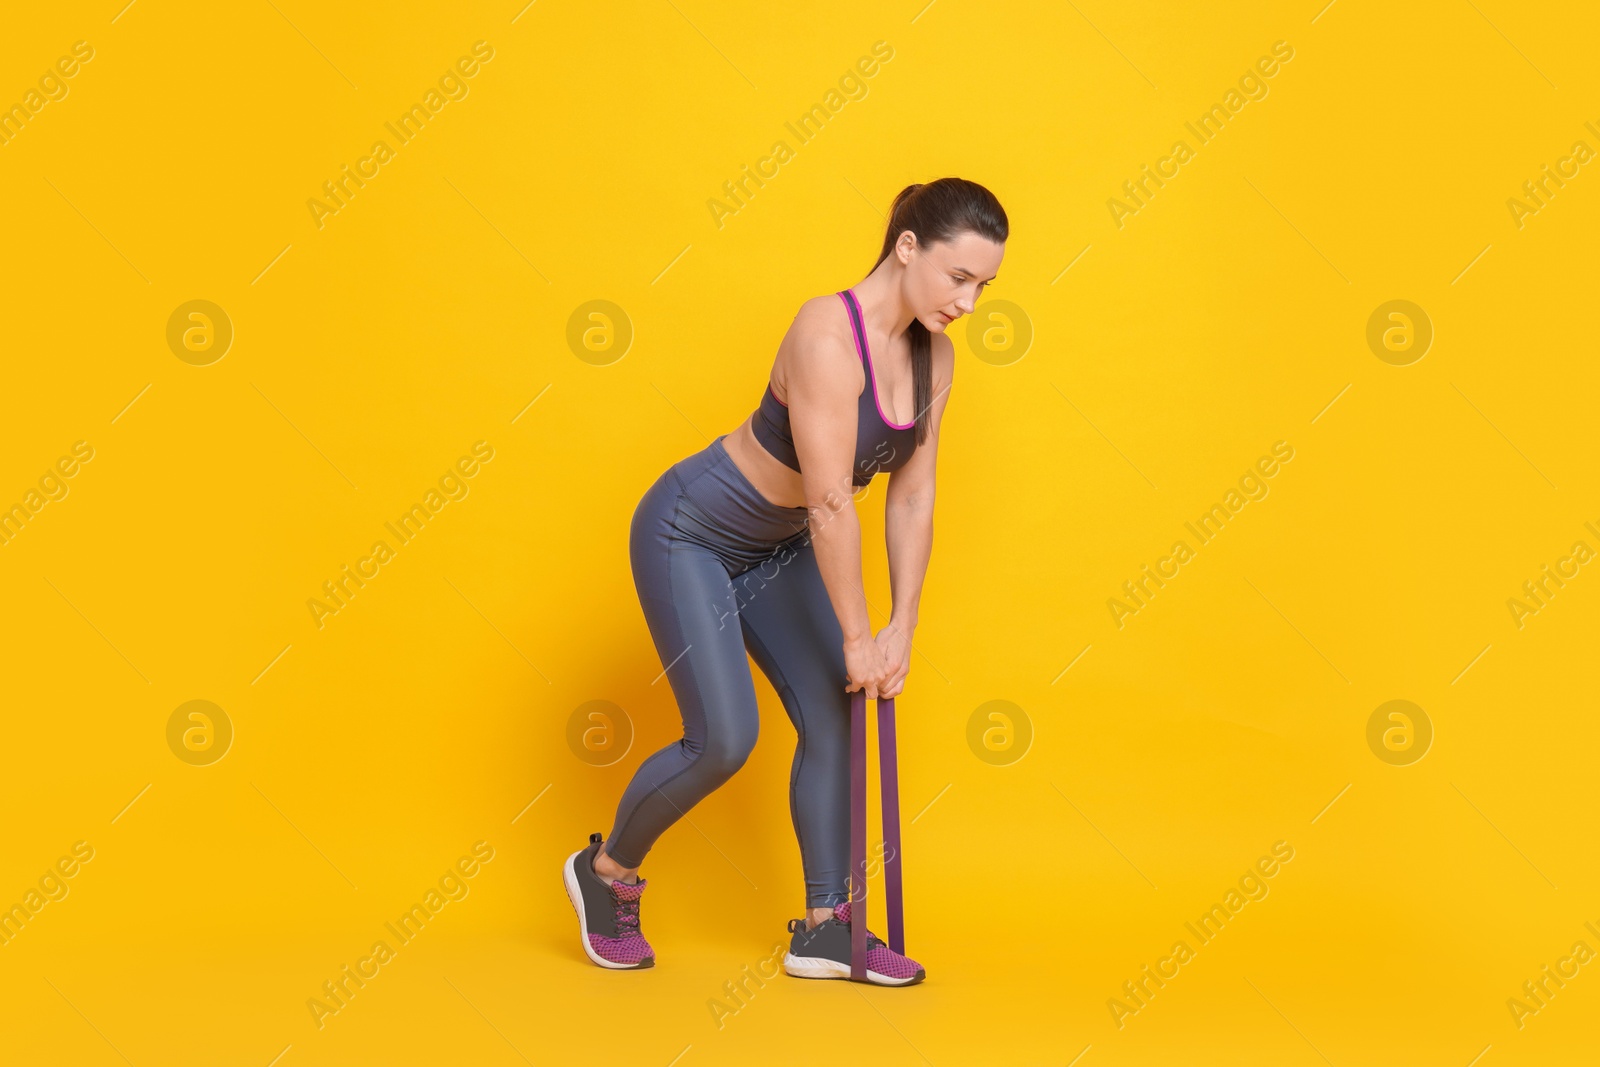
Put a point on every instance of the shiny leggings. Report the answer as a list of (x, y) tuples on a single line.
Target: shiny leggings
[(720, 571)]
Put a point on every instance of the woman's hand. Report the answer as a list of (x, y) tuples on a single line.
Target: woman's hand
[(896, 646), (868, 668)]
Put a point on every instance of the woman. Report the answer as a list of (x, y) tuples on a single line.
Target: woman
[(753, 544)]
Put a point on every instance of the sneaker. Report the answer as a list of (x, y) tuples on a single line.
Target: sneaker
[(608, 913), (824, 952)]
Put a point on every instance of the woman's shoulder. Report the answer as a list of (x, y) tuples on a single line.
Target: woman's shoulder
[(818, 344), (822, 322), (825, 312)]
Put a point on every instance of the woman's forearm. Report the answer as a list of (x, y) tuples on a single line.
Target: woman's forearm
[(908, 529), (836, 537)]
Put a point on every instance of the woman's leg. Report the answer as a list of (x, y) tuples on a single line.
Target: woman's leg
[(794, 637), (689, 605)]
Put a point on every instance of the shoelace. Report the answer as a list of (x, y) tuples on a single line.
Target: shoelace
[(627, 914), (873, 940)]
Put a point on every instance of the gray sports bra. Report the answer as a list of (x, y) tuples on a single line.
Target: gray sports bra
[(881, 445)]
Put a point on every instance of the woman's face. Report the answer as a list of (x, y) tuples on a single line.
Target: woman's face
[(945, 279)]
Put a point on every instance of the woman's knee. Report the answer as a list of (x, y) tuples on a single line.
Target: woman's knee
[(725, 751)]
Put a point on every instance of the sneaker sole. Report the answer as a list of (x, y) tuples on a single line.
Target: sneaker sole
[(569, 878), (819, 967)]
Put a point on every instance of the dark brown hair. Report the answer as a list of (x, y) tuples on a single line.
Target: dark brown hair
[(938, 211)]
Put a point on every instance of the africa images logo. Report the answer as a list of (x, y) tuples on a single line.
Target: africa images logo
[(452, 85)]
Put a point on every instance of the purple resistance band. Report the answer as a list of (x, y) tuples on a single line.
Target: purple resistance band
[(889, 790)]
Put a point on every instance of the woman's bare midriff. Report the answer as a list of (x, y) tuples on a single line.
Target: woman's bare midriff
[(775, 481)]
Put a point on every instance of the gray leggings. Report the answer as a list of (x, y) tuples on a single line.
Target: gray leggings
[(721, 570)]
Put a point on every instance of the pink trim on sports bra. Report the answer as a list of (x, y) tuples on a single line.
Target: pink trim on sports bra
[(864, 347)]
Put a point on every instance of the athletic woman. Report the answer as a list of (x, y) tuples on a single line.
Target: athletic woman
[(753, 545)]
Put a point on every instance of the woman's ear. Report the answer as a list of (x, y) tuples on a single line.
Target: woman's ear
[(906, 246)]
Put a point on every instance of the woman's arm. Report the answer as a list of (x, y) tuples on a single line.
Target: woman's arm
[(908, 525), (822, 418)]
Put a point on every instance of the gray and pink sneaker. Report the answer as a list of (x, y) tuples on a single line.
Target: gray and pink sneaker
[(824, 952), (608, 913)]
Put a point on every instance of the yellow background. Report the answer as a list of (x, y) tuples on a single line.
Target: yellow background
[(427, 714)]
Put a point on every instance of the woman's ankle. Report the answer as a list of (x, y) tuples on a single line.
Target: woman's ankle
[(814, 916), (610, 870)]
